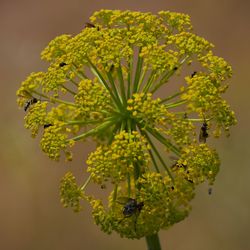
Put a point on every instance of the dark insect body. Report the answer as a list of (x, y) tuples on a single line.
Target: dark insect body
[(91, 25), (131, 207), (62, 64), (210, 191), (203, 133), (47, 125), (29, 103), (193, 74)]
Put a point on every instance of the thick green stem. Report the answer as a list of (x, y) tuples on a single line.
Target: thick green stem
[(153, 242)]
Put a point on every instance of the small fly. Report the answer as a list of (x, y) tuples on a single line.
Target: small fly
[(131, 207), (29, 103), (203, 132)]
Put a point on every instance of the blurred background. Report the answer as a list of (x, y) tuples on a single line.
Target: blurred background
[(31, 216)]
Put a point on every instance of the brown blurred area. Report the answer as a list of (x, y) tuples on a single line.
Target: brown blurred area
[(31, 216)]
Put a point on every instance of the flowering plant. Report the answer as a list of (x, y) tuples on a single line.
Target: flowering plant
[(103, 83)]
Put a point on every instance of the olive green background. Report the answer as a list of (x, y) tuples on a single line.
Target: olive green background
[(31, 216)]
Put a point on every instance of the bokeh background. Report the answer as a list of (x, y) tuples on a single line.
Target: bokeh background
[(31, 216)]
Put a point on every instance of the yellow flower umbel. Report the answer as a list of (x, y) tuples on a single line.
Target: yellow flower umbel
[(105, 83)]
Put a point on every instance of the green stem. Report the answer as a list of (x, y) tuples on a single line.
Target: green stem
[(94, 130), (168, 74), (105, 84), (79, 73), (163, 140), (130, 72), (158, 155), (82, 122), (153, 242), (175, 104), (171, 97), (154, 161), (151, 79), (138, 71), (112, 82), (142, 78), (72, 81), (86, 183), (52, 99), (69, 90), (122, 86)]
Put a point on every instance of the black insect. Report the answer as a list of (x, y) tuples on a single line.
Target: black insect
[(91, 25), (47, 125), (193, 74), (175, 68), (62, 64), (131, 207), (30, 102), (203, 133), (210, 190)]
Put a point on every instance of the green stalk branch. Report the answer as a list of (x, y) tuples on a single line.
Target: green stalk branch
[(86, 183), (163, 140), (112, 82), (154, 161), (52, 99), (95, 130), (122, 86), (142, 78), (130, 72), (175, 104), (149, 83), (67, 89), (105, 84), (168, 74), (158, 154), (138, 71), (171, 97)]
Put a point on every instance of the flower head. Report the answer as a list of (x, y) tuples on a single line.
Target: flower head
[(103, 83)]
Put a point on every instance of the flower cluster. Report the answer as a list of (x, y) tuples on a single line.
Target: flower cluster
[(103, 84), (152, 113), (198, 163), (116, 161), (36, 117), (55, 140), (70, 193), (91, 99), (168, 205)]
